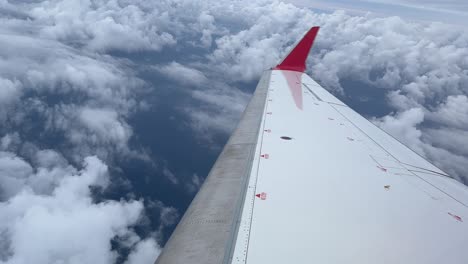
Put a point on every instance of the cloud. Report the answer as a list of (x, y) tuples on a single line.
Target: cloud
[(103, 126), (452, 12), (14, 171), (103, 25), (195, 183), (206, 22), (182, 74), (218, 105), (168, 216), (219, 112), (46, 84), (9, 94), (66, 226), (145, 252), (404, 126), (452, 113), (454, 7), (59, 88), (450, 139)]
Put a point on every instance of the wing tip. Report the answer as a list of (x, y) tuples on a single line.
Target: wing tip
[(296, 59)]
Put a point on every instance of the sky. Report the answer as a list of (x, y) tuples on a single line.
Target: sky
[(112, 112), (451, 12)]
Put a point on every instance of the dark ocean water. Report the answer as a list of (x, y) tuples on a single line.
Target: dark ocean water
[(164, 133)]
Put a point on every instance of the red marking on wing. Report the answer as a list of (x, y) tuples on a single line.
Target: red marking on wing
[(456, 217), (266, 156), (295, 87), (262, 195), (296, 59)]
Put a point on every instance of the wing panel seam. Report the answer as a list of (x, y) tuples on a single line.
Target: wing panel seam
[(402, 164)]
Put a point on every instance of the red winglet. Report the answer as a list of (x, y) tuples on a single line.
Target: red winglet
[(296, 59)]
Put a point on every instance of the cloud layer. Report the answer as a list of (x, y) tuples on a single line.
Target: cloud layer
[(70, 82), (53, 219)]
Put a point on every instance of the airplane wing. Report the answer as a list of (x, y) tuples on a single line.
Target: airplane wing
[(305, 179)]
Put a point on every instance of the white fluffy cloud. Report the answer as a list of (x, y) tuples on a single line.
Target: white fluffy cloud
[(104, 25), (453, 112), (63, 224), (14, 173), (61, 84), (103, 126), (144, 252), (56, 81), (182, 74), (10, 93), (404, 126)]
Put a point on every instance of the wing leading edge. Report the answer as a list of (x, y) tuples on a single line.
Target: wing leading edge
[(310, 180)]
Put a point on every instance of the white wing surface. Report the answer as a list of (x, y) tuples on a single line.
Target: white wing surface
[(318, 183)]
